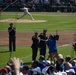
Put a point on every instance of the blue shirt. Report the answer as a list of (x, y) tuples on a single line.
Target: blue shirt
[(52, 45)]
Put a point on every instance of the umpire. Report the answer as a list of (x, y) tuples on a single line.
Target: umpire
[(35, 43), (42, 44), (12, 37)]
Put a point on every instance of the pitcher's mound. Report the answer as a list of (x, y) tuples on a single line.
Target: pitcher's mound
[(22, 20)]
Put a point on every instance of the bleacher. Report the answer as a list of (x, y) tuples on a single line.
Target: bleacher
[(51, 7)]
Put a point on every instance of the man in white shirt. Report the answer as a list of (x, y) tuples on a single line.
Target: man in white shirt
[(25, 12)]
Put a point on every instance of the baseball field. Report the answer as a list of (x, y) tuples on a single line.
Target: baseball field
[(64, 23)]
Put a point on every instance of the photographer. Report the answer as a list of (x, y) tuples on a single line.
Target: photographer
[(12, 37), (51, 43)]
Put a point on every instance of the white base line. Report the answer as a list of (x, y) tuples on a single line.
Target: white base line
[(70, 44)]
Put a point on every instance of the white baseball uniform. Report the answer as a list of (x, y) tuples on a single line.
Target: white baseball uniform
[(26, 12)]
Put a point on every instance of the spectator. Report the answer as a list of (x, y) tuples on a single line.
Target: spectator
[(70, 72), (51, 70), (67, 63), (25, 70), (73, 62), (35, 66), (3, 71), (12, 37), (42, 62), (60, 63), (51, 43)]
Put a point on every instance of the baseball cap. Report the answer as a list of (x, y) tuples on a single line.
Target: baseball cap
[(64, 73), (41, 57), (4, 69), (48, 62), (70, 70), (60, 56)]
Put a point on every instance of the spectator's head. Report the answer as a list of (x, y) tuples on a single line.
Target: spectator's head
[(70, 72), (60, 59), (3, 71), (25, 69), (35, 64), (50, 69), (67, 65), (8, 68), (41, 58), (73, 62), (48, 63), (68, 58)]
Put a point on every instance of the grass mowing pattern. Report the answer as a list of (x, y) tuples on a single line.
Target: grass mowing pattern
[(24, 53), (55, 21)]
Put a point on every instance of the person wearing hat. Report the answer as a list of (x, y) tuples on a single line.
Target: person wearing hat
[(70, 72), (42, 44), (34, 46), (60, 63), (12, 37), (42, 62), (3, 71)]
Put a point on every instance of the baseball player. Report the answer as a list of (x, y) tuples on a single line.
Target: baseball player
[(25, 12)]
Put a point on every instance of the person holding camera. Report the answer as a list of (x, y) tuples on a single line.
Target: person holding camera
[(12, 37), (51, 43)]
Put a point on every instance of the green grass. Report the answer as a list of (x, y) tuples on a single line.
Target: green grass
[(24, 53), (55, 21)]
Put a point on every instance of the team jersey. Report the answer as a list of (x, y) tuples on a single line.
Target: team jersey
[(25, 9)]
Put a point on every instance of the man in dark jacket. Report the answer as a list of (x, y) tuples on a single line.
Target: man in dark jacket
[(12, 37), (42, 44), (34, 46)]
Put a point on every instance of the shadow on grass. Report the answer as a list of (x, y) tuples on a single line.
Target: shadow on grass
[(27, 63), (4, 51)]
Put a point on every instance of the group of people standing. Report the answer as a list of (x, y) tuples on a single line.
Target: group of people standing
[(39, 44), (40, 41)]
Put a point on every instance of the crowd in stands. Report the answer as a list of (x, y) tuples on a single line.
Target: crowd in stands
[(43, 1), (44, 5), (63, 66)]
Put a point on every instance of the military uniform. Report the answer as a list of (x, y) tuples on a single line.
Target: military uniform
[(34, 46), (12, 37), (42, 44)]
